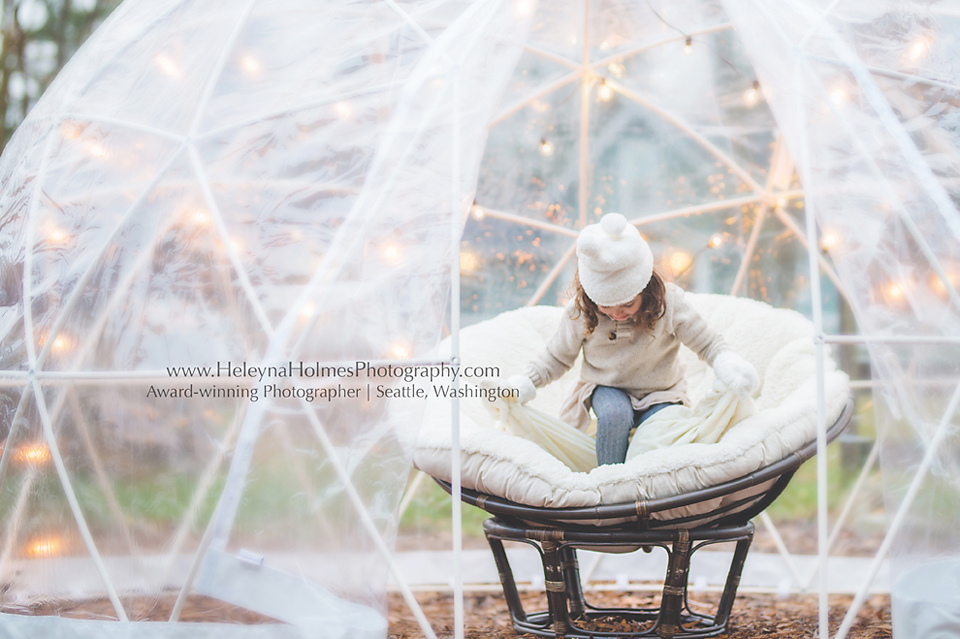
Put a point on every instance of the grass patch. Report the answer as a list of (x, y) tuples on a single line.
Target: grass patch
[(431, 512)]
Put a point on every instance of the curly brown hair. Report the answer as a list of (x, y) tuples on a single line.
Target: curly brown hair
[(652, 305)]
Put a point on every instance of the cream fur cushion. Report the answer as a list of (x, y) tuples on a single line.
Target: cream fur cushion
[(778, 342)]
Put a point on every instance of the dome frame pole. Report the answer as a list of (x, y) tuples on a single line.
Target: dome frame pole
[(819, 347)]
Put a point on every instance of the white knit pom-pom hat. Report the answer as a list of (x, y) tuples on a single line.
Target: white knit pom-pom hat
[(615, 263)]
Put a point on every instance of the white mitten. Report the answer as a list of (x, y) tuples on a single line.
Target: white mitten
[(736, 373), (524, 387)]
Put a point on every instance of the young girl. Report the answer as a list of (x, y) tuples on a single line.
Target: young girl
[(629, 325)]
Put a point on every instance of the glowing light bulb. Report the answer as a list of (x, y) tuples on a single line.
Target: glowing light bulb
[(522, 9), (781, 202), (616, 69), (391, 253), (168, 66), (938, 286), (894, 290), (829, 240), (469, 262), (44, 546), (838, 95), (752, 95), (307, 310), (604, 92), (343, 109), (200, 217), (715, 240), (399, 351), (478, 212), (70, 131), (680, 261), (919, 48), (96, 150), (61, 344), (251, 65), (545, 147), (57, 235), (33, 454), (688, 46)]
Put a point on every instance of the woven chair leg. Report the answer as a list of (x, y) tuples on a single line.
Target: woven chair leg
[(675, 587), (571, 577), (733, 580), (510, 593), (556, 588)]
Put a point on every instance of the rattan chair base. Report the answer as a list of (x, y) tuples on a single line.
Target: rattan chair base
[(570, 615)]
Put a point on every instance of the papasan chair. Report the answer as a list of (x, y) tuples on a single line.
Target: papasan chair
[(680, 498)]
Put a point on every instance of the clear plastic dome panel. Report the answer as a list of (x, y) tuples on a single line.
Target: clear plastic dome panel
[(222, 224)]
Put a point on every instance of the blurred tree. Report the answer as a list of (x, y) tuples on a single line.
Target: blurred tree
[(38, 37)]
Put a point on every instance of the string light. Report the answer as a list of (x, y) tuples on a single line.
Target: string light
[(838, 95), (399, 351), (469, 262), (938, 286), (752, 95), (307, 311), (200, 217), (688, 46), (168, 66), (57, 235), (919, 48), (616, 69), (33, 454), (545, 147), (391, 253), (251, 65), (829, 240), (604, 92), (680, 261), (343, 109), (478, 212), (894, 291), (715, 240), (44, 547), (70, 131), (522, 9), (96, 150)]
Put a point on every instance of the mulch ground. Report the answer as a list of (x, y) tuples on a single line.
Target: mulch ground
[(754, 616), (486, 616), (197, 608)]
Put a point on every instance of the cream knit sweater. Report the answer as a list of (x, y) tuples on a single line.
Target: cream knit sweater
[(644, 364)]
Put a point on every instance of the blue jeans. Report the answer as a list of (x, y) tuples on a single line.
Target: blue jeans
[(615, 419)]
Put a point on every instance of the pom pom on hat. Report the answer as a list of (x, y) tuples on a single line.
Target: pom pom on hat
[(615, 263)]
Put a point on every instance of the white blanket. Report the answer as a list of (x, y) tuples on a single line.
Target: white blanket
[(716, 413)]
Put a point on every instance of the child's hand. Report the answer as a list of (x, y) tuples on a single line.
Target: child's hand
[(526, 391), (736, 373)]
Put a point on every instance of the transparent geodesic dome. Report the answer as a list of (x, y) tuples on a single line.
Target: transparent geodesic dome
[(264, 185), (222, 226)]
